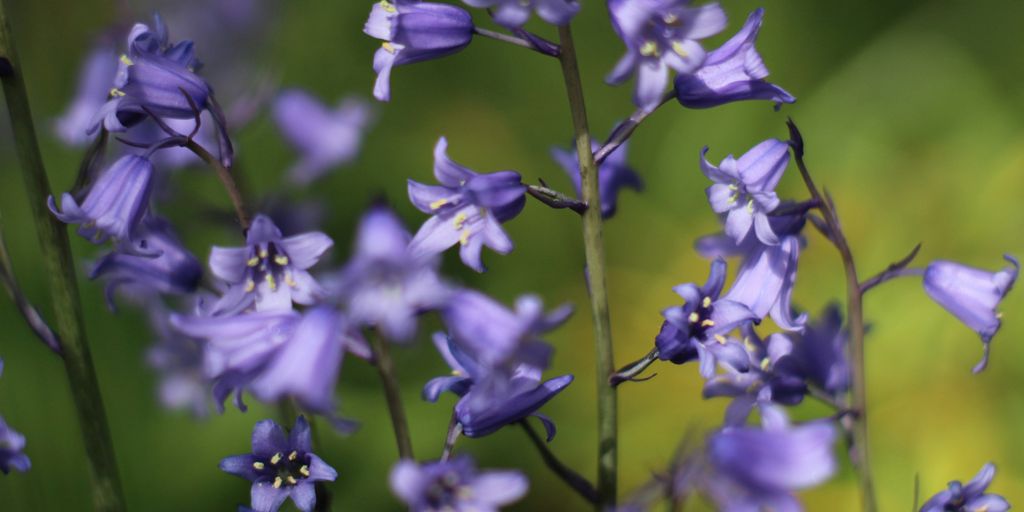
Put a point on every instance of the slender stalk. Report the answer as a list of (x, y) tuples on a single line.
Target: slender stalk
[(392, 393), (513, 40), (454, 431), (60, 266), (573, 479), (226, 179), (889, 276), (855, 320), (555, 199), (593, 243), (625, 130)]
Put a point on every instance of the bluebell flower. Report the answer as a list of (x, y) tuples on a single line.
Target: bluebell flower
[(765, 281), (158, 264), (733, 72), (498, 359), (745, 189), (660, 36), (969, 498), (324, 137), (972, 295), (613, 175), (159, 77), (414, 31), (455, 485), (467, 209), (271, 271), (759, 468), (514, 13), (281, 466), (94, 78), (178, 362), (696, 329), (384, 285), (819, 353), (116, 203), (12, 446)]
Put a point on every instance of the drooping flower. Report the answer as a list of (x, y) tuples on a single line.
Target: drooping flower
[(178, 362), (969, 498), (158, 264), (414, 31), (696, 329), (281, 466), (613, 175), (759, 468), (94, 79), (660, 36), (745, 189), (115, 204), (324, 137), (765, 283), (514, 13), (12, 446), (455, 485), (467, 209), (819, 353), (159, 77), (384, 285), (972, 295), (498, 360), (733, 72), (271, 271)]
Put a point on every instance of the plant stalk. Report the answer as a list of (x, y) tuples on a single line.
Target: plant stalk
[(56, 252), (593, 243), (392, 392)]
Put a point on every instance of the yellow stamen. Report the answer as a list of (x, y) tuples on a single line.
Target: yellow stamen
[(765, 362), (464, 238), (678, 48), (706, 302), (258, 465), (281, 259), (649, 49), (694, 317), (750, 206), (275, 459), (437, 204), (126, 60), (250, 285), (670, 19), (304, 470), (288, 280), (117, 93), (389, 47), (387, 6), (733, 186), (264, 254), (277, 483), (292, 480), (272, 282), (719, 338), (707, 323), (253, 261), (456, 373), (460, 220), (293, 455), (999, 315)]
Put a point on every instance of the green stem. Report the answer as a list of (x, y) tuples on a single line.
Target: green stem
[(855, 321), (393, 395), (593, 243), (60, 266), (226, 179)]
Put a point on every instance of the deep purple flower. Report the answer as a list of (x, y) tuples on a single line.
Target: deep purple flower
[(414, 31), (613, 175), (745, 188), (158, 264), (696, 329), (384, 285), (660, 36), (324, 137), (733, 72), (455, 485), (270, 272), (969, 498), (12, 444), (765, 283), (97, 73), (467, 209), (515, 13), (159, 77), (972, 295), (498, 359), (759, 468), (819, 353), (281, 466), (114, 205)]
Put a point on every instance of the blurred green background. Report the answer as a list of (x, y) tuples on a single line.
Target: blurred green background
[(913, 114)]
